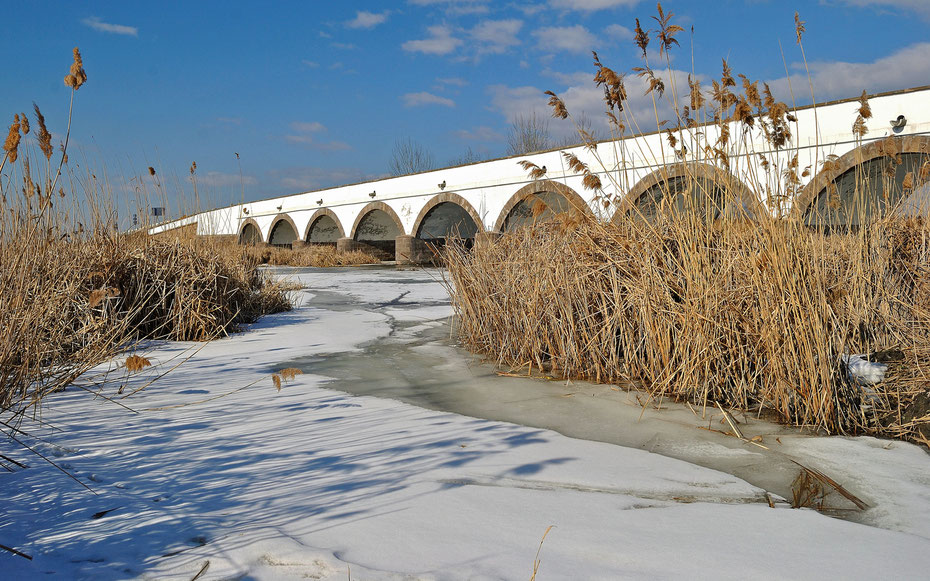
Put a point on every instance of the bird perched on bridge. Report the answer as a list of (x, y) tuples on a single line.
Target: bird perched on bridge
[(900, 122), (442, 186)]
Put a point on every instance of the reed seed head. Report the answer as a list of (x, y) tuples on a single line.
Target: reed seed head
[(11, 145), (42, 134), (77, 76)]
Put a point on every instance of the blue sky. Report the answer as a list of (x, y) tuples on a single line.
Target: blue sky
[(312, 94)]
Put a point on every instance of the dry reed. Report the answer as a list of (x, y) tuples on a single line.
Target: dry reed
[(698, 303)]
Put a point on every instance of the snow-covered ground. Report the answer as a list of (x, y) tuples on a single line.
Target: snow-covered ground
[(217, 467)]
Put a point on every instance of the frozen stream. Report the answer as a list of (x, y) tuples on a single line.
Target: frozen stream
[(388, 460), (418, 363)]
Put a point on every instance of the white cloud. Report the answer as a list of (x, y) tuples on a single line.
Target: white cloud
[(424, 98), (101, 26), (575, 38), (303, 137), (314, 178), (218, 179), (308, 127), (921, 7), (836, 79), (482, 133), (451, 81), (456, 7), (440, 42), (583, 97), (618, 32), (569, 79), (310, 64), (344, 45), (367, 20), (496, 36), (591, 5)]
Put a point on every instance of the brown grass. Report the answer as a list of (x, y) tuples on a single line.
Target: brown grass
[(700, 303), (750, 315), (313, 255), (74, 291)]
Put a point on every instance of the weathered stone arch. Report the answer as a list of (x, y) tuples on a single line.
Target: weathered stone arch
[(746, 204), (444, 198), (319, 214), (890, 146), (276, 221), (249, 222), (377, 206), (540, 186)]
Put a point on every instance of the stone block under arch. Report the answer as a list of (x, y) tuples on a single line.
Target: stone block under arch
[(555, 198)]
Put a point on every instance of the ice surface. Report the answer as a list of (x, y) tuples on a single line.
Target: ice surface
[(312, 482)]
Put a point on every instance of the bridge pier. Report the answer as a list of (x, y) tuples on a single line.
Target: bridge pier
[(486, 238), (411, 250)]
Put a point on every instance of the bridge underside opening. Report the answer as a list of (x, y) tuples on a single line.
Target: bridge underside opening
[(282, 234), (324, 231), (679, 195), (250, 235), (867, 191), (446, 221), (378, 230), (536, 208)]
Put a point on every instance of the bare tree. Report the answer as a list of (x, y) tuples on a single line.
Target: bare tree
[(409, 157), (585, 132), (528, 134), (470, 156)]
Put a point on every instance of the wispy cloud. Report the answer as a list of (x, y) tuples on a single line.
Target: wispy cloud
[(424, 98), (310, 64), (456, 7), (218, 179), (482, 133), (344, 45), (305, 134), (591, 5), (836, 79), (313, 178), (575, 38), (618, 32), (308, 127), (443, 82), (100, 26), (367, 20), (496, 36), (440, 42), (921, 7)]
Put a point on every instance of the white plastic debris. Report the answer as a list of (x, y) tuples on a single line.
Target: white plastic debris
[(863, 371)]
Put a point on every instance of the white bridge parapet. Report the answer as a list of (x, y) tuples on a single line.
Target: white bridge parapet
[(491, 193)]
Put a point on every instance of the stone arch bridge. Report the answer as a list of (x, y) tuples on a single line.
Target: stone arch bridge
[(400, 217)]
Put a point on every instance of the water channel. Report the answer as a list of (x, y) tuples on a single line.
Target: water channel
[(419, 363)]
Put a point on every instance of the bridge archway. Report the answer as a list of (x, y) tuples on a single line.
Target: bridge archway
[(683, 187), (447, 215), (557, 198), (865, 183), (378, 225), (324, 228), (249, 233), (283, 231)]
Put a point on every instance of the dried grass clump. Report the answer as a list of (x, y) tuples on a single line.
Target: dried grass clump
[(751, 315), (701, 297), (311, 255), (74, 291)]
